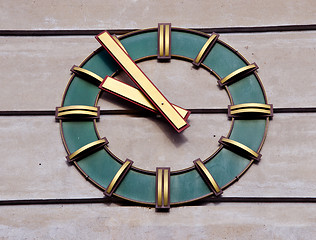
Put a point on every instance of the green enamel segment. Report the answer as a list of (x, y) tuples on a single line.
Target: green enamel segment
[(148, 46), (249, 132), (81, 92), (101, 64), (187, 186), (78, 134), (247, 90), (186, 44), (223, 61), (100, 167), (138, 187), (225, 166)]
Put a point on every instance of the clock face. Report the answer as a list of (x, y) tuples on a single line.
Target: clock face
[(162, 186), (155, 143)]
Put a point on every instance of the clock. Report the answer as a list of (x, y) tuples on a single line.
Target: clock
[(249, 113)]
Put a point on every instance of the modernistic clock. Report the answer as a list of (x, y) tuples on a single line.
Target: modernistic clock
[(249, 113)]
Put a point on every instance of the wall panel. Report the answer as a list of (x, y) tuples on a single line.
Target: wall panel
[(141, 14), (275, 199)]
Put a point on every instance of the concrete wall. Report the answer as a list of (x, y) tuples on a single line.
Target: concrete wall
[(35, 71)]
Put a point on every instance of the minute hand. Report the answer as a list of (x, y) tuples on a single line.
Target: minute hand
[(142, 81)]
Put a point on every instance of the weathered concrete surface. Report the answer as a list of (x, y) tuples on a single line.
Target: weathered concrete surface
[(288, 165), (34, 73), (34, 166), (214, 221), (286, 66), (33, 163), (141, 13)]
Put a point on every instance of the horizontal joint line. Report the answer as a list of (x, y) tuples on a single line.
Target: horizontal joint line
[(126, 203), (147, 113), (88, 32)]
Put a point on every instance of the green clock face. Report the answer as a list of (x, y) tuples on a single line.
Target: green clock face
[(161, 187)]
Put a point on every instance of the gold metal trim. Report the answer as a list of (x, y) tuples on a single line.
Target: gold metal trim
[(238, 71), (204, 48), (165, 187), (161, 33), (117, 176), (77, 112), (167, 42), (250, 110), (86, 147), (251, 105), (259, 109), (143, 82), (133, 94), (89, 73), (159, 188), (240, 145), (77, 107), (208, 175)]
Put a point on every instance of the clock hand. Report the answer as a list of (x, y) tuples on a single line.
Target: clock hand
[(134, 95), (124, 90), (142, 81)]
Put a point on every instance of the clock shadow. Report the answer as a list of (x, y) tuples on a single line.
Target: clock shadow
[(118, 106), (177, 139)]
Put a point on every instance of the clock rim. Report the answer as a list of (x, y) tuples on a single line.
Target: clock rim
[(181, 170)]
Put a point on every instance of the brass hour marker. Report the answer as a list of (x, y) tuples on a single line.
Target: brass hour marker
[(77, 113), (238, 74), (86, 73), (162, 188), (121, 173), (240, 148), (205, 49), (164, 41), (251, 110), (208, 178), (87, 150)]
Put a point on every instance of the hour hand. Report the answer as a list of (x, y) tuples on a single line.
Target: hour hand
[(150, 91), (134, 95), (124, 90)]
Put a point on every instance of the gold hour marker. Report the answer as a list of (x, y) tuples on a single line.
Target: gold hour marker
[(162, 188), (238, 74), (77, 112), (86, 73), (252, 110), (240, 148), (207, 47), (87, 150), (121, 173), (208, 178), (164, 41)]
